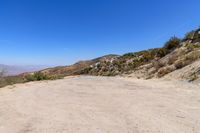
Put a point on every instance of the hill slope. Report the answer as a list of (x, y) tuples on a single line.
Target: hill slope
[(73, 69), (181, 58), (155, 63), (178, 58)]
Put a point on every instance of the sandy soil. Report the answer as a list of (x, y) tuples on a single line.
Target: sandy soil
[(100, 105)]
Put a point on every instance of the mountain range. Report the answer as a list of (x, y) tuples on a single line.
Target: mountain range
[(12, 70)]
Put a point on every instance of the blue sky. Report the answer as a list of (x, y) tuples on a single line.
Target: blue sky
[(61, 32)]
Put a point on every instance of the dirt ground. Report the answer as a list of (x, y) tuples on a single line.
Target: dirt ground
[(100, 105)]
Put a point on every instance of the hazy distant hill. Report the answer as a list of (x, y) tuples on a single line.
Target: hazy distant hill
[(15, 70)]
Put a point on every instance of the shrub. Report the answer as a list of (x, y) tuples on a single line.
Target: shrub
[(161, 52), (179, 64), (172, 44), (192, 46), (29, 77), (193, 56), (189, 35), (10, 80), (38, 76), (158, 64), (163, 71), (172, 59), (189, 58), (193, 77), (197, 45), (41, 76)]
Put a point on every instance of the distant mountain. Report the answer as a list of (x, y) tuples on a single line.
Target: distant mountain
[(16, 70)]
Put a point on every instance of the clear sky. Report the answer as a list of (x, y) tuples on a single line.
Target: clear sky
[(61, 32)]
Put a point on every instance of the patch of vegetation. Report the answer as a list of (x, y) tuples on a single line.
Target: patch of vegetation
[(187, 59), (194, 55), (163, 71), (172, 59), (193, 46), (131, 61), (10, 80), (37, 76), (189, 35), (173, 43), (125, 63), (193, 77)]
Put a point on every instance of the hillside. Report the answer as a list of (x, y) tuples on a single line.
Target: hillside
[(176, 54), (52, 73), (62, 71), (178, 58)]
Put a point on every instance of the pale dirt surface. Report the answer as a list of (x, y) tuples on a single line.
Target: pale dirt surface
[(100, 105)]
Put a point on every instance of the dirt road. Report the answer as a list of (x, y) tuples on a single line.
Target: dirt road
[(100, 105)]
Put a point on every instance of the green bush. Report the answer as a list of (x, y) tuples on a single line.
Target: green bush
[(192, 46), (29, 77), (38, 76), (193, 77), (172, 44), (189, 35), (197, 45), (10, 80), (189, 58), (161, 52)]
